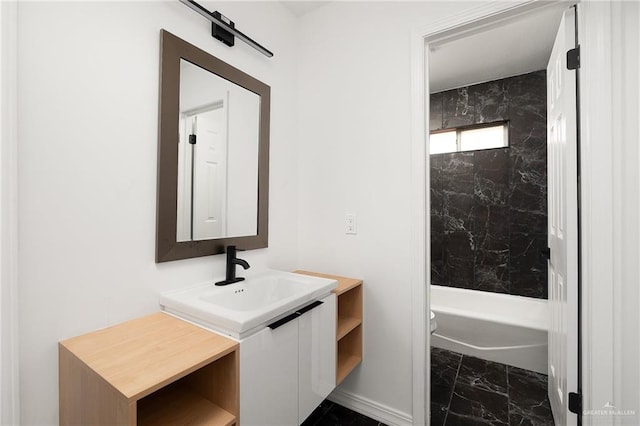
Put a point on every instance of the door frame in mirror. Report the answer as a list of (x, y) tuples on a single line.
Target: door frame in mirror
[(172, 49)]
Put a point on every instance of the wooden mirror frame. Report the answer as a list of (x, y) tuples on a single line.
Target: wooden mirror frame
[(172, 49)]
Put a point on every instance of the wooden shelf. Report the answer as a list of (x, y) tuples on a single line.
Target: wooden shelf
[(344, 283), (179, 405), (346, 364), (345, 325), (349, 353), (151, 370)]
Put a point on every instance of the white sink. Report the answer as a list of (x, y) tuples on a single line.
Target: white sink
[(238, 308)]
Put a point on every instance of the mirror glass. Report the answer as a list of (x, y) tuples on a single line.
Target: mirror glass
[(217, 157), (213, 155)]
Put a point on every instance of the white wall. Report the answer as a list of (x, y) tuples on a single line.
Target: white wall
[(355, 157), (88, 118), (9, 403)]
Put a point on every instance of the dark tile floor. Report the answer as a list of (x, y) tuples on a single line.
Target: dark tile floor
[(331, 414), (471, 391)]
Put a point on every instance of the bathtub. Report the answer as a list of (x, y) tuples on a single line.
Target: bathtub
[(507, 329)]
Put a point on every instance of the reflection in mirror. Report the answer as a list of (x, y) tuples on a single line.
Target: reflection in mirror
[(214, 193), (217, 157)]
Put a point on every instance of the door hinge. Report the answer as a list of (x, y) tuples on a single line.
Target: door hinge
[(192, 139), (573, 58), (575, 403)]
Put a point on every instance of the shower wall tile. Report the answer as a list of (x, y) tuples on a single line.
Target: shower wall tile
[(459, 163), (437, 222), (527, 265), (491, 226), (491, 101), (459, 256), (492, 165), (528, 197), (457, 182), (435, 111), (458, 108), (489, 208), (527, 221)]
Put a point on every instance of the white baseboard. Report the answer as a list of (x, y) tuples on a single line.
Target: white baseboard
[(369, 408)]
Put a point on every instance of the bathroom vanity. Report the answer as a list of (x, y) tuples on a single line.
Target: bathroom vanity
[(152, 370), (273, 368), (285, 326)]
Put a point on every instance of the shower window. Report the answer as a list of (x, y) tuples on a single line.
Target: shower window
[(469, 138)]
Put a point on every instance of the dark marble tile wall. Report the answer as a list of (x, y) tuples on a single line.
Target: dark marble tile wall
[(489, 208), (472, 391)]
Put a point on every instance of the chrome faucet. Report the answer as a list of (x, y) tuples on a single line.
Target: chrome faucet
[(232, 261)]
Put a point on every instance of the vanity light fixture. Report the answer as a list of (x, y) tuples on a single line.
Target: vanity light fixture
[(223, 29)]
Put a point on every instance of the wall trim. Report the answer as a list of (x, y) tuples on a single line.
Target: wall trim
[(607, 33), (420, 233), (9, 355), (369, 408), (597, 201)]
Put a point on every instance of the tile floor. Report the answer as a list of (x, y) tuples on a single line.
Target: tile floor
[(465, 391), (331, 414), (471, 391)]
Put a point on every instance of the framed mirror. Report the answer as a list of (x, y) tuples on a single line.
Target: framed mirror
[(213, 155)]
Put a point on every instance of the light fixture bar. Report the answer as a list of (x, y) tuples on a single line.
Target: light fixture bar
[(221, 23)]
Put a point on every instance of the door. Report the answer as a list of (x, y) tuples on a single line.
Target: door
[(317, 356), (210, 173), (563, 223), (269, 377)]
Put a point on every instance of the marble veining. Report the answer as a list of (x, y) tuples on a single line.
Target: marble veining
[(485, 393), (489, 207), (458, 108), (491, 101)]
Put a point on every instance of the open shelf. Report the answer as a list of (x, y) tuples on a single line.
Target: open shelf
[(346, 324), (154, 370), (349, 353), (179, 405), (346, 364)]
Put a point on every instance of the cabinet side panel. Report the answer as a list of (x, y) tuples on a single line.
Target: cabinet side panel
[(85, 398)]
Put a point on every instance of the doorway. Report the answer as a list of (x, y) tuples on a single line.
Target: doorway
[(436, 45)]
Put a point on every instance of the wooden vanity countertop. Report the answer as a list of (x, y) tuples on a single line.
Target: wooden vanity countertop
[(140, 356), (344, 283)]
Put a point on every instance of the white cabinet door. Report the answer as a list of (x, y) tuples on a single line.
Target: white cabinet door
[(269, 377), (317, 356)]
